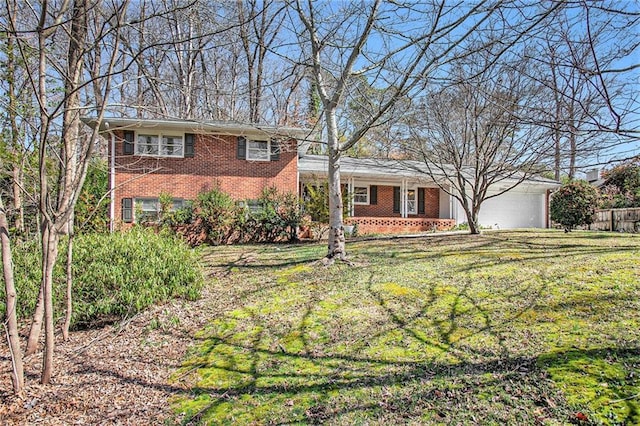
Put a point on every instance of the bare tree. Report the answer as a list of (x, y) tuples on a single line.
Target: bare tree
[(589, 109), (17, 149), (71, 150), (397, 47), (477, 138), (260, 25)]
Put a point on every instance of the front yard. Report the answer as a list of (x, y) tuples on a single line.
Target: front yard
[(503, 328)]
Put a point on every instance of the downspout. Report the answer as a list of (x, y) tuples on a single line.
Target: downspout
[(112, 181)]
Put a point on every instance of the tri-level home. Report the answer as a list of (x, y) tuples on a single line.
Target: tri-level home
[(149, 157)]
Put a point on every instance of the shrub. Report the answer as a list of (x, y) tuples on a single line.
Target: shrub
[(621, 187), (115, 275), (279, 216), (574, 204), (316, 202), (214, 218), (217, 212)]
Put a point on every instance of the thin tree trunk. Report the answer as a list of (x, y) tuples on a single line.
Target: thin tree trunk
[(18, 205), (69, 312), (11, 326), (50, 240), (17, 173), (36, 325), (572, 146)]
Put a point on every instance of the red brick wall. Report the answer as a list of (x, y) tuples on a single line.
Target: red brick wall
[(214, 164), (384, 208)]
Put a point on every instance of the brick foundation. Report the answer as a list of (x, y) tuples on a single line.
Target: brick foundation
[(393, 225)]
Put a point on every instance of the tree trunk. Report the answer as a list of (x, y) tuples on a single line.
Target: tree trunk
[(18, 205), (336, 234), (11, 326), (17, 172), (474, 227), (36, 325), (69, 299), (50, 240)]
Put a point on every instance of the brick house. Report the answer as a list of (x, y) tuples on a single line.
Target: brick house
[(183, 158)]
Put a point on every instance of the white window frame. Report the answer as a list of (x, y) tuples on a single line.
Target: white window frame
[(412, 202), (249, 150), (367, 194), (138, 204), (161, 144)]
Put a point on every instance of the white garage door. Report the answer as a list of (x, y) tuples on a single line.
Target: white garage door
[(514, 210)]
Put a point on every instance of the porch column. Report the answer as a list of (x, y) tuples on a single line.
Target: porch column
[(350, 186), (403, 198)]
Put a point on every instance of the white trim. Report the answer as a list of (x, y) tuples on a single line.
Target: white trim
[(353, 192), (267, 141), (160, 137)]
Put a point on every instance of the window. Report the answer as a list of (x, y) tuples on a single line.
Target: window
[(361, 195), (254, 206), (258, 150), (160, 145), (412, 201), (148, 209), (254, 150), (171, 146)]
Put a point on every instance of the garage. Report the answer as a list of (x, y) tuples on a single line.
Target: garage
[(522, 207)]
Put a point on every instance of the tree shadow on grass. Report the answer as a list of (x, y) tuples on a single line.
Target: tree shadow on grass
[(248, 373), (391, 354)]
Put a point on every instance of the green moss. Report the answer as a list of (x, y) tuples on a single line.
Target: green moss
[(606, 382), (438, 331)]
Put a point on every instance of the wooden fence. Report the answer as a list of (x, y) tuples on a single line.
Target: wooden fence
[(623, 220)]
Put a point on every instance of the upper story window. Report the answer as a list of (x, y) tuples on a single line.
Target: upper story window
[(361, 195), (160, 145), (258, 150)]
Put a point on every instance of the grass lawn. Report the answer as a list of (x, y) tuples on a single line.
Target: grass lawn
[(503, 328)]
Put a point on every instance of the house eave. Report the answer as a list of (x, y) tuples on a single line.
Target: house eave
[(389, 171), (200, 127)]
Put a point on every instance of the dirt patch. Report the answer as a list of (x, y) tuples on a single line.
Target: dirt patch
[(118, 374)]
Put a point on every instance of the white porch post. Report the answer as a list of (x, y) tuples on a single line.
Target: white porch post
[(350, 186), (403, 198)]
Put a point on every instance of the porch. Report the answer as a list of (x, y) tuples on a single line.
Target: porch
[(383, 196)]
